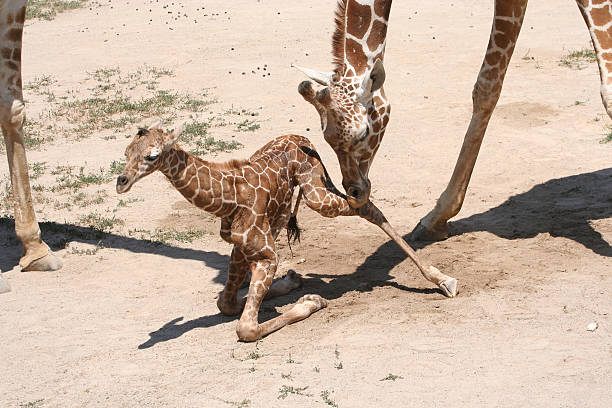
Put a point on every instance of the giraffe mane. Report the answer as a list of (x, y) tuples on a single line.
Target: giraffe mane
[(338, 37), (233, 164)]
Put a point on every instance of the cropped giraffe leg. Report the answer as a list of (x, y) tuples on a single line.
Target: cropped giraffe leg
[(504, 33), (228, 302), (37, 254), (598, 18), (319, 192), (322, 196), (447, 284)]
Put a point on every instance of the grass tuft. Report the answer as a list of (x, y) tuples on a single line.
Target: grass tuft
[(48, 9), (327, 400), (285, 390), (576, 59), (99, 222), (607, 138), (391, 377)]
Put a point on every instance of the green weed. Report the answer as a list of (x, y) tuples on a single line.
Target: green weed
[(212, 145), (285, 390), (247, 126), (100, 223), (607, 138), (575, 59), (391, 377), (37, 169), (327, 400), (33, 404), (48, 9)]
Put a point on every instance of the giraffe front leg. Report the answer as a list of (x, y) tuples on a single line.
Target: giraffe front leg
[(447, 284), (262, 275), (37, 255), (598, 18), (504, 33), (228, 302)]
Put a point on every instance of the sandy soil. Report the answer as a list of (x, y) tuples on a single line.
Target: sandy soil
[(135, 323)]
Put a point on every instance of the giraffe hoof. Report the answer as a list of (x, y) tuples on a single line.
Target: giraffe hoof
[(314, 302), (421, 233), (449, 287), (4, 286), (48, 262)]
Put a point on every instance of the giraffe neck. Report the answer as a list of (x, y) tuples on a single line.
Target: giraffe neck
[(199, 181), (363, 34)]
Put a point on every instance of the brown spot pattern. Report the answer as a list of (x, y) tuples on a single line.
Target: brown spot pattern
[(355, 56), (21, 14), (358, 18), (600, 15), (604, 38), (377, 35), (14, 34), (382, 8)]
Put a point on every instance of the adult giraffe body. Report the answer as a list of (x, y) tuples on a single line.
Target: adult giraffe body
[(37, 255), (356, 22)]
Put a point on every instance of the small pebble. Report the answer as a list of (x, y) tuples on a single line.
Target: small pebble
[(592, 326)]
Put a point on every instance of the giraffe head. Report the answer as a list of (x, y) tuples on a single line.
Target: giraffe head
[(352, 105), (146, 154), (343, 109)]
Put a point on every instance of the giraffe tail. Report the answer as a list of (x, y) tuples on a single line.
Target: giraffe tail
[(293, 230)]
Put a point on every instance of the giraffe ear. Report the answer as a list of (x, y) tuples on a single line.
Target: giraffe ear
[(373, 82), (172, 138), (377, 75), (156, 124), (322, 78)]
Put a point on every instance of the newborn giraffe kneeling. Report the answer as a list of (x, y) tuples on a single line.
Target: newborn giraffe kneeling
[(253, 198)]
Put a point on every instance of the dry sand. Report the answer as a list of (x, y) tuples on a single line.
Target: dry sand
[(136, 324)]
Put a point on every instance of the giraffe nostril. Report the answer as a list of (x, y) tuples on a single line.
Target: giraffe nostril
[(353, 192), (122, 180)]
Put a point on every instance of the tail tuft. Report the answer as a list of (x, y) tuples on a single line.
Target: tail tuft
[(293, 230)]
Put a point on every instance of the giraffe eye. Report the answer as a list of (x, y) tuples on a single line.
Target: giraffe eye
[(151, 157)]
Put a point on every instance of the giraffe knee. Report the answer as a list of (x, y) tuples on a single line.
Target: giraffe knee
[(485, 95), (248, 331), (606, 98), (12, 112)]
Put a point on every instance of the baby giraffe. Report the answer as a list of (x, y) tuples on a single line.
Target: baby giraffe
[(253, 198)]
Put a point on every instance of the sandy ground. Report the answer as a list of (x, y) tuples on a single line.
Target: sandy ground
[(135, 323)]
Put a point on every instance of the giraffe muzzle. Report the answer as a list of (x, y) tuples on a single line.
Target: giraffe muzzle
[(357, 195), (122, 184)]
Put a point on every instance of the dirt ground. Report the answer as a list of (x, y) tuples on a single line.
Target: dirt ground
[(131, 319)]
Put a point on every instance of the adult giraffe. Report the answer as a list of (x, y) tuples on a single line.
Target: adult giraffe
[(360, 34), (37, 255)]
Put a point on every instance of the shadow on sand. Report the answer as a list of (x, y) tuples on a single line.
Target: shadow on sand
[(561, 207), (58, 235)]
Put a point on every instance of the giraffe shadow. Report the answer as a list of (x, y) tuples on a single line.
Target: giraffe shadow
[(562, 207), (58, 235), (313, 283)]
